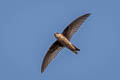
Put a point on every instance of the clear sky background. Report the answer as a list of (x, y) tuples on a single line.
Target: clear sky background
[(27, 30)]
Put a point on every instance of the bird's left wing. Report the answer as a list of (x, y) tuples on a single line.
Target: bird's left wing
[(51, 54)]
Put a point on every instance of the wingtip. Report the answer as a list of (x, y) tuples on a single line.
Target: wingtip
[(42, 71), (88, 14), (85, 16)]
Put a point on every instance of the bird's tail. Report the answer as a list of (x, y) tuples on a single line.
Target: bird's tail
[(76, 49)]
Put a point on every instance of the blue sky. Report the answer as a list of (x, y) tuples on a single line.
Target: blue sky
[(27, 30)]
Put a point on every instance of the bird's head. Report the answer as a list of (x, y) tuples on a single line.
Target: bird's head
[(56, 34)]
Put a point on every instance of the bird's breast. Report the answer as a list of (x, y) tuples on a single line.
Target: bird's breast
[(63, 40)]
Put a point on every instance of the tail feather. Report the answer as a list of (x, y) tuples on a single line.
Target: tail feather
[(77, 48), (76, 51)]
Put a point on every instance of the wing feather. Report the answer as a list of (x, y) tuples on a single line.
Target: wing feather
[(73, 27), (51, 54)]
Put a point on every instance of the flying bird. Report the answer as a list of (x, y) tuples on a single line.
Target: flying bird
[(63, 40)]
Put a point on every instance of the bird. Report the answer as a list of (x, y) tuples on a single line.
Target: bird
[(63, 40)]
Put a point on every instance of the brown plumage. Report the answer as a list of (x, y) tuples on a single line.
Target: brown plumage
[(63, 40)]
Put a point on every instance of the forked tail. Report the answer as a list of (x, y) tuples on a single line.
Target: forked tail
[(76, 49)]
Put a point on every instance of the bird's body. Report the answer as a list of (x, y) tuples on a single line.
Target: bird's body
[(63, 40)]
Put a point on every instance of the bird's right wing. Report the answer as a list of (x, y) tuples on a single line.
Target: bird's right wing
[(73, 27), (51, 54)]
